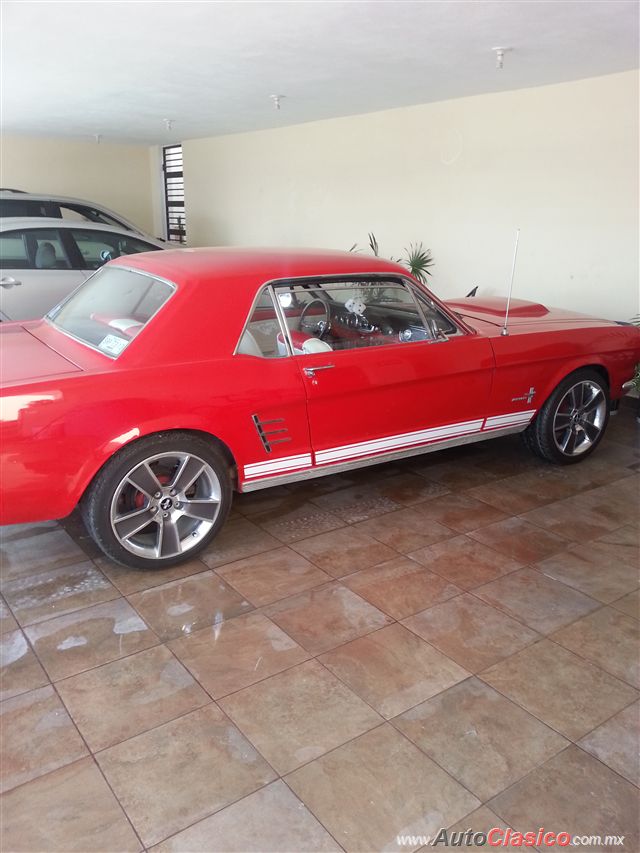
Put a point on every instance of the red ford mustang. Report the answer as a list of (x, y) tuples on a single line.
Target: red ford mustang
[(170, 379)]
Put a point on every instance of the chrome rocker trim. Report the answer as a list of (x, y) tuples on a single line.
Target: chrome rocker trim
[(339, 467)]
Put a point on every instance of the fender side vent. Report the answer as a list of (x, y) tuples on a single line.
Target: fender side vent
[(270, 433)]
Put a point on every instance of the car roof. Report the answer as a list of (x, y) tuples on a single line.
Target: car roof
[(249, 267), (20, 196), (13, 223)]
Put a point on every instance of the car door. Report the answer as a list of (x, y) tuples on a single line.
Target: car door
[(385, 369), (36, 272), (276, 442)]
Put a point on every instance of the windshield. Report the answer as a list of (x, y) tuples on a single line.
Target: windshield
[(111, 308)]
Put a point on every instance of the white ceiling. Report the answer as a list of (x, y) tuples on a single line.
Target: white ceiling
[(120, 68)]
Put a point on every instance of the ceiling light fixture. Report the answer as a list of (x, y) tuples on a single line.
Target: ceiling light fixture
[(276, 100), (168, 123), (500, 52)]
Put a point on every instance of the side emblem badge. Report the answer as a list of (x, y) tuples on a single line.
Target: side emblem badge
[(527, 397)]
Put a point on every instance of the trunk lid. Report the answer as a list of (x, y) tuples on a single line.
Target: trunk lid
[(23, 357)]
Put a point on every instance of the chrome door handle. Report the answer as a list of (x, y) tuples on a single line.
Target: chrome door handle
[(311, 371), (9, 281)]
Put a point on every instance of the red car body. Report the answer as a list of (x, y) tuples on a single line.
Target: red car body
[(67, 408)]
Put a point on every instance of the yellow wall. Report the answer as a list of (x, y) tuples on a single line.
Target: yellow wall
[(560, 162), (118, 176)]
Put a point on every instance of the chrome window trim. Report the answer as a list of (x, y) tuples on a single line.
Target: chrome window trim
[(268, 288), (50, 320), (368, 279)]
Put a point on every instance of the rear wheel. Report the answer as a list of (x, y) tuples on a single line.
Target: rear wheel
[(572, 422), (160, 501)]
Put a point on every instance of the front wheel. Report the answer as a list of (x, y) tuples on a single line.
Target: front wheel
[(160, 501), (572, 422)]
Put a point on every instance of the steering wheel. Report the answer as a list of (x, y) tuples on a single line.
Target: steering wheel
[(315, 327)]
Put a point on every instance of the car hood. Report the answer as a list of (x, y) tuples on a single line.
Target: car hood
[(521, 312), (23, 357)]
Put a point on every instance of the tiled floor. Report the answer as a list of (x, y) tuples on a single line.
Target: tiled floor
[(446, 642)]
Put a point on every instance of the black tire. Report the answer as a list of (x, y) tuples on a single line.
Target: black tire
[(102, 502), (559, 421)]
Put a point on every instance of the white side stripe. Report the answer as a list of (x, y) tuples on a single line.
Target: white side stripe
[(395, 442), (271, 466), (390, 443), (512, 419)]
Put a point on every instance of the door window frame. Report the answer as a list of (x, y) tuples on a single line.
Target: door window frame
[(362, 278)]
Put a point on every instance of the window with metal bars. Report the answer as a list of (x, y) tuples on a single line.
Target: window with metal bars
[(174, 193)]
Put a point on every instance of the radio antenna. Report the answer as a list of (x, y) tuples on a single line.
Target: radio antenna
[(504, 330)]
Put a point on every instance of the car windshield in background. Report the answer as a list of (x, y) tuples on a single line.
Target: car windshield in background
[(111, 308)]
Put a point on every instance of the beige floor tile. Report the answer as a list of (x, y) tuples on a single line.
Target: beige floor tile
[(568, 693), (299, 715), (393, 669), (326, 617), (482, 820), (265, 500), (29, 554), (406, 530), (126, 697), (409, 489), (629, 604), (465, 562), (579, 518), (273, 575), (609, 639), (520, 540), (526, 491), (272, 820), (130, 580), (482, 739), (292, 523), (78, 641), (617, 743), (230, 656), (183, 606), (471, 632), (401, 587), (71, 809), (19, 667), (536, 600), (183, 771), (461, 512), (601, 570), (7, 622), (238, 539), (37, 736), (573, 793), (356, 503), (457, 475), (344, 551), (379, 786), (54, 592)]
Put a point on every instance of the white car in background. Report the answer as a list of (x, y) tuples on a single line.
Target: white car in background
[(18, 203), (42, 260)]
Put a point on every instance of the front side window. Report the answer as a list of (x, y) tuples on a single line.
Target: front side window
[(111, 308), (13, 251), (352, 315), (98, 247), (34, 249)]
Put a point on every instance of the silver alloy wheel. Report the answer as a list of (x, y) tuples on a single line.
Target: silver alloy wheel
[(165, 505), (579, 418)]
